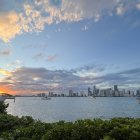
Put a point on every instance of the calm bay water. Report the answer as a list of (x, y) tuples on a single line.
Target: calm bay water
[(71, 109)]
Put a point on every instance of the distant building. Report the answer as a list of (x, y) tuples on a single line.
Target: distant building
[(82, 94), (94, 90), (62, 95), (51, 94), (89, 92), (41, 94), (70, 92), (138, 93), (115, 87)]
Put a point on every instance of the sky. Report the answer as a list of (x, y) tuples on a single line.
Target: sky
[(58, 45)]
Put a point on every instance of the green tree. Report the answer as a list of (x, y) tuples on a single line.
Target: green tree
[(3, 107)]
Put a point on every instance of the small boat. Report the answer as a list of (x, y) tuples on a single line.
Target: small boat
[(46, 98), (92, 97)]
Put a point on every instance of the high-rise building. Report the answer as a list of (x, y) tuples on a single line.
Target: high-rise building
[(115, 87), (89, 92), (94, 88), (138, 93), (70, 92)]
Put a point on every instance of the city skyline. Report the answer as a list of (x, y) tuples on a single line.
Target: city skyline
[(91, 92), (53, 45)]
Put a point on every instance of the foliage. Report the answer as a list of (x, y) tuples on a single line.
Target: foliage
[(26, 128), (3, 107)]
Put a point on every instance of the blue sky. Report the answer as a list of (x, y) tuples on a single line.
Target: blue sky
[(80, 43)]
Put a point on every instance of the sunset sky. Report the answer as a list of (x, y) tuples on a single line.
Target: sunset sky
[(57, 45)]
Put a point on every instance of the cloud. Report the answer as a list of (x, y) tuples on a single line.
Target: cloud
[(120, 10), (138, 6), (51, 58), (85, 28), (124, 78), (33, 16), (31, 19), (15, 64), (6, 52), (39, 79), (5, 72), (36, 80), (39, 56), (9, 26), (14, 23), (42, 56), (73, 11), (89, 70)]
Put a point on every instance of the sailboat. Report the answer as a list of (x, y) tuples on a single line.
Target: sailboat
[(92, 96), (46, 98)]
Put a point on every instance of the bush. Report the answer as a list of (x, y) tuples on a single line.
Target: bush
[(3, 107), (25, 128)]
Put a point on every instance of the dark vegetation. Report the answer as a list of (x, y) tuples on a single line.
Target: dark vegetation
[(3, 107), (26, 128)]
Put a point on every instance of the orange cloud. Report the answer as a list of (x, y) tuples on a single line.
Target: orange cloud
[(9, 26), (5, 72), (7, 89)]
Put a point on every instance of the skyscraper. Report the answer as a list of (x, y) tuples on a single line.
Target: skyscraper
[(115, 87)]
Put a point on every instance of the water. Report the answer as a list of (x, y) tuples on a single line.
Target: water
[(71, 109)]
